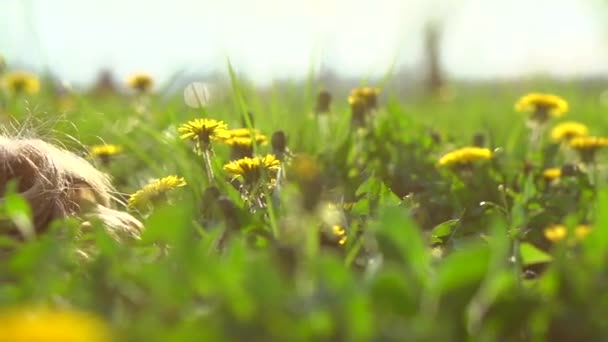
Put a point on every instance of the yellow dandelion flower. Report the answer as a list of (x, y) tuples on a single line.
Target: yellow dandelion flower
[(140, 82), (155, 191), (588, 143), (588, 146), (18, 82), (340, 233), (247, 141), (45, 324), (362, 101), (568, 130), (357, 101), (104, 152), (202, 131), (542, 105), (243, 137), (552, 173), (581, 231), (251, 170), (369, 96), (465, 156), (243, 132), (556, 233)]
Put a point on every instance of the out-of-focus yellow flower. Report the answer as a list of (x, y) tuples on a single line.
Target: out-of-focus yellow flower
[(155, 191), (555, 233), (581, 231), (465, 156), (243, 132), (18, 82), (588, 143), (588, 146), (251, 170), (541, 106), (245, 137), (40, 324), (305, 168), (141, 82), (340, 233), (362, 101), (552, 173), (568, 130), (202, 131), (368, 95), (104, 152)]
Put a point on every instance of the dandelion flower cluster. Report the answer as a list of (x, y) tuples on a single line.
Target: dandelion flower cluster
[(45, 324), (542, 106), (465, 156), (140, 82), (568, 130), (154, 191), (18, 82), (557, 232), (251, 170)]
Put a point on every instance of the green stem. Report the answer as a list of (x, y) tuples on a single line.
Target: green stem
[(208, 166)]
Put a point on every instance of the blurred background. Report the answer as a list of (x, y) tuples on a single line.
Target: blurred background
[(288, 39)]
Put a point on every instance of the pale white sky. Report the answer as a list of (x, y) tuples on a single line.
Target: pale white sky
[(278, 38)]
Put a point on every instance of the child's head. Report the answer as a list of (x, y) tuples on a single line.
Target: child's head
[(58, 184)]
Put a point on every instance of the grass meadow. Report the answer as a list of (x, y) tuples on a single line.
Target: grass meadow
[(361, 219)]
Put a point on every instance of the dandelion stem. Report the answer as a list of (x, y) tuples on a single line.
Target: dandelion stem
[(536, 136), (595, 175), (208, 167)]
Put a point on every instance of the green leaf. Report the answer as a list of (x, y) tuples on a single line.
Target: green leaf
[(596, 246), (400, 240), (463, 268), (444, 228), (532, 255), (167, 224)]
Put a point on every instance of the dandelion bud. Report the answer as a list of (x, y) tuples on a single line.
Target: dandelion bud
[(323, 102), (435, 136), (479, 140), (569, 170), (279, 142)]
